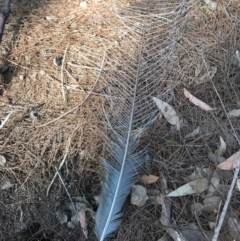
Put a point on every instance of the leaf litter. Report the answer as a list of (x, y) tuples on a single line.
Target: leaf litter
[(38, 139)]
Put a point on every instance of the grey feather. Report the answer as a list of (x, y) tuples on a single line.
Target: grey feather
[(136, 75)]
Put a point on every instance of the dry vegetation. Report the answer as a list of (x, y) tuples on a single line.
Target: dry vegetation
[(67, 102)]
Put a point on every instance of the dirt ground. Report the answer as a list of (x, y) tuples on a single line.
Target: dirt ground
[(57, 115)]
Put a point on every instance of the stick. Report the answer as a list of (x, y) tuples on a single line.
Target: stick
[(78, 105), (5, 120), (218, 227), (62, 75), (74, 80), (60, 177), (219, 97), (4, 16), (166, 211), (61, 164), (85, 92)]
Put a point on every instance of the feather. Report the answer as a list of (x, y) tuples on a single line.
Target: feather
[(135, 76)]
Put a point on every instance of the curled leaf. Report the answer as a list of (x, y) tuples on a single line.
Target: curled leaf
[(238, 184), (168, 112), (2, 160), (149, 179), (234, 113), (211, 4), (193, 133), (196, 101), (231, 162), (222, 147)]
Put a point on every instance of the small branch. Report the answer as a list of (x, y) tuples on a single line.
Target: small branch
[(4, 16), (74, 80), (219, 226), (166, 211), (61, 164), (62, 75), (219, 97), (5, 120), (60, 177)]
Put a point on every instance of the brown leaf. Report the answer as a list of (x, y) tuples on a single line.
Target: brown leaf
[(231, 162), (149, 179), (196, 101)]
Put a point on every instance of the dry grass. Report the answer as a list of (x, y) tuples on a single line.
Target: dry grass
[(39, 32)]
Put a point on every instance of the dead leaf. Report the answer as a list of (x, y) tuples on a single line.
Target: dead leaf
[(231, 162), (193, 133), (211, 225), (214, 183), (193, 187), (149, 179), (222, 147), (198, 173), (238, 184), (76, 215), (210, 204), (234, 228), (6, 185), (192, 232), (139, 195), (33, 117), (196, 208), (234, 113), (211, 4), (168, 112), (196, 101), (164, 238), (216, 159), (2, 160), (83, 223)]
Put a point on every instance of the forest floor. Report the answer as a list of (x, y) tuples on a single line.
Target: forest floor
[(57, 119)]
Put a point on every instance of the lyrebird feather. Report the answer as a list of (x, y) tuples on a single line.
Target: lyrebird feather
[(136, 73)]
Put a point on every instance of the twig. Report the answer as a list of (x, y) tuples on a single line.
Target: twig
[(82, 66), (72, 87), (61, 164), (78, 105), (219, 97), (74, 80), (166, 211), (221, 219), (12, 62), (62, 75), (60, 177), (4, 16), (38, 159), (5, 120)]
